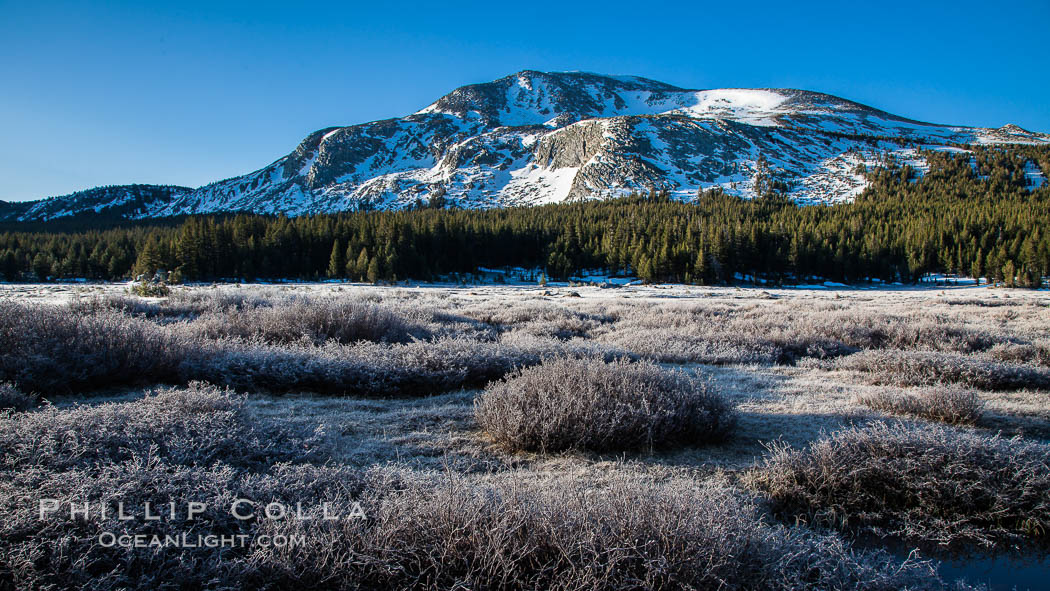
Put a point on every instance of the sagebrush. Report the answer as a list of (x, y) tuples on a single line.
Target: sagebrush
[(952, 405), (925, 368), (587, 404), (922, 483)]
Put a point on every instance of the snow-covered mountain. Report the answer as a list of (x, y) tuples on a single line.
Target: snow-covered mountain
[(546, 137), (118, 201)]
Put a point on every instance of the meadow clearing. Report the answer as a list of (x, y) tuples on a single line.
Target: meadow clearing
[(526, 437)]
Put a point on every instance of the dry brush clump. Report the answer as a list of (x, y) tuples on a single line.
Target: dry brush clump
[(540, 318), (130, 305), (952, 405), (418, 368), (784, 332), (281, 317), (49, 348), (563, 534), (1037, 353), (674, 345), (587, 404), (54, 349), (926, 368), (196, 425), (549, 347), (181, 304), (64, 552), (923, 483), (11, 398), (195, 301), (315, 320), (362, 369)]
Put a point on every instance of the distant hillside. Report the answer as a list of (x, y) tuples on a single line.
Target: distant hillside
[(115, 201)]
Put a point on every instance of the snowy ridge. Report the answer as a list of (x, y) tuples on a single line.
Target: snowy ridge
[(537, 137), (120, 201)]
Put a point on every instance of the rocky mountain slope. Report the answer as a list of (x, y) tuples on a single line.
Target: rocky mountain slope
[(539, 137), (128, 201)]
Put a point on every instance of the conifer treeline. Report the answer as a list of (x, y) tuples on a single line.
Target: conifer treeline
[(973, 214)]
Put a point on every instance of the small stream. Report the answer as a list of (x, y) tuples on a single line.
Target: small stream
[(999, 571), (1005, 573)]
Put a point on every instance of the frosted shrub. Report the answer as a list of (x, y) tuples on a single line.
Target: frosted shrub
[(549, 347), (781, 332), (564, 534), (923, 368), (49, 348), (199, 301), (11, 398), (317, 321), (58, 349), (926, 483), (674, 346), (1036, 353), (197, 425), (130, 305), (362, 369), (955, 406), (539, 318), (591, 405)]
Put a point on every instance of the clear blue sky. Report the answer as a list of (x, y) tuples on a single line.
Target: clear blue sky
[(96, 93)]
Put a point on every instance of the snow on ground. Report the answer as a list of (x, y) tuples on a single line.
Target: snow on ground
[(1035, 176), (754, 107), (601, 287)]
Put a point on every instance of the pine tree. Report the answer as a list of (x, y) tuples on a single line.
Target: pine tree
[(148, 261), (41, 266), (977, 269), (700, 270), (372, 273), (1009, 273), (9, 265), (336, 261), (361, 265)]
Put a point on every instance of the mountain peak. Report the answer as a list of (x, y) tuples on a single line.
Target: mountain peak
[(556, 99), (532, 97), (1011, 128)]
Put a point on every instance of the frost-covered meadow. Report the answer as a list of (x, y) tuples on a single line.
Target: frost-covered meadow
[(525, 437)]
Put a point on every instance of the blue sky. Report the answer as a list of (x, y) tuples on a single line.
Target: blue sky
[(95, 93)]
